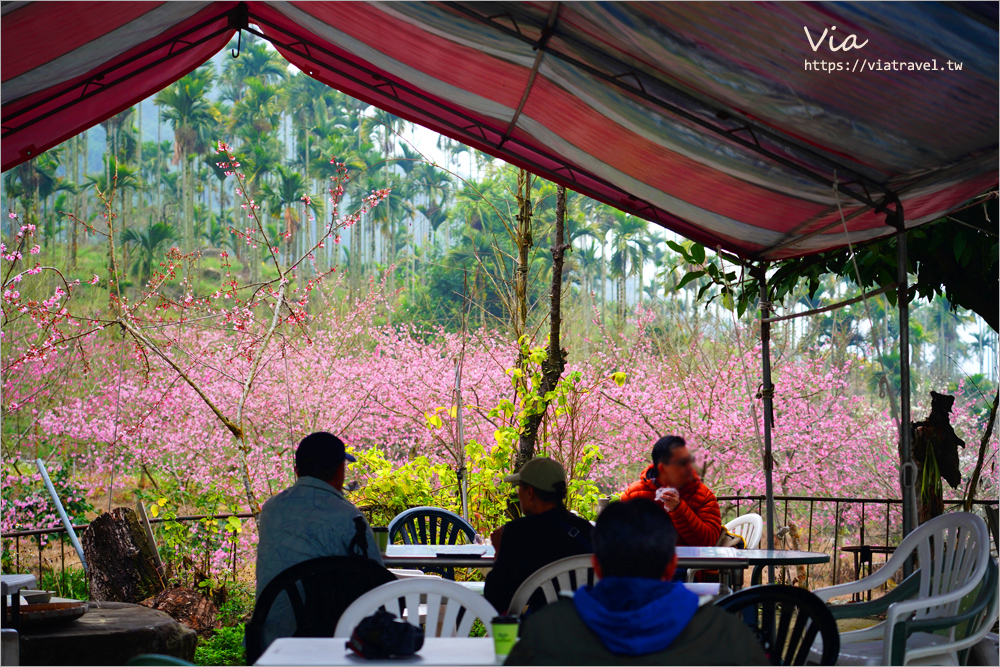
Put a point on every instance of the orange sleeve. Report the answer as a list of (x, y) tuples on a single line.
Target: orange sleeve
[(698, 524)]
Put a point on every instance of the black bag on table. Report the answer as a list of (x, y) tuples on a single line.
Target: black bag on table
[(381, 636)]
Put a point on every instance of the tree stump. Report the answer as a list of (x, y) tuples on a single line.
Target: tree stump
[(188, 607), (120, 562)]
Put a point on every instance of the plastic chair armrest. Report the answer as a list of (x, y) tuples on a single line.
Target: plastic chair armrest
[(906, 589), (868, 583), (933, 624), (875, 632)]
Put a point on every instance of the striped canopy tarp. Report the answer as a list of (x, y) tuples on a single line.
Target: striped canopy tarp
[(740, 125)]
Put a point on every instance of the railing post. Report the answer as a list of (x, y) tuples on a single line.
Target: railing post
[(812, 504), (888, 511), (862, 523), (836, 536)]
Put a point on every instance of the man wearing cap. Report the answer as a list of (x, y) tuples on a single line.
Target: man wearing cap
[(310, 519), (546, 532)]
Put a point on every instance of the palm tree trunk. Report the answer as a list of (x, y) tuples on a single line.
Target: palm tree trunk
[(604, 277), (138, 144), (159, 166), (85, 200), (75, 161), (188, 204)]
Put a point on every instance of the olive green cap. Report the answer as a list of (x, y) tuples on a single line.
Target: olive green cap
[(541, 472)]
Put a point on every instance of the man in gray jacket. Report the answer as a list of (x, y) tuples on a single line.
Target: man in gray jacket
[(310, 519), (635, 615)]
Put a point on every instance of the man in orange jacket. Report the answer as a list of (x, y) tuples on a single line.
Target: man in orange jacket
[(672, 481)]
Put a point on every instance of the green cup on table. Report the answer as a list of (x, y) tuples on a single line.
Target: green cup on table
[(381, 538), (504, 630)]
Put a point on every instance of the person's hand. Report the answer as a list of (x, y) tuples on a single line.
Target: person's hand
[(495, 538), (669, 497)]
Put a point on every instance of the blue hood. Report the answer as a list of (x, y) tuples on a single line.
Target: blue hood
[(633, 615)]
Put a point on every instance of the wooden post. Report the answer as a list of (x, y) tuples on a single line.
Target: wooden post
[(149, 536)]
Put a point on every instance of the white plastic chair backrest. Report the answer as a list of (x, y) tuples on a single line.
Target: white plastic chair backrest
[(438, 593), (750, 527), (547, 577), (951, 551)]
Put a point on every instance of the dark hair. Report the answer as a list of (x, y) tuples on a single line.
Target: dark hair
[(635, 538), (664, 448), (319, 455), (557, 496)]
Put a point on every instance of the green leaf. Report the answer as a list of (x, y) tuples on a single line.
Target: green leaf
[(692, 275), (698, 253), (678, 248), (727, 301), (959, 246)]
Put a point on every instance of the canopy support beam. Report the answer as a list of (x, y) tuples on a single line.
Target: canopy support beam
[(907, 469), (767, 399)]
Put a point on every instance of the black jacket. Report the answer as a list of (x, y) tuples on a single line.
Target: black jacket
[(530, 543), (556, 635)]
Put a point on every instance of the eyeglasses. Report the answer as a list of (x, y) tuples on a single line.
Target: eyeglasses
[(684, 462)]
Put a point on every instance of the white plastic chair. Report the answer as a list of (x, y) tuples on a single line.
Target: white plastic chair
[(748, 526), (546, 579), (952, 556), (440, 594)]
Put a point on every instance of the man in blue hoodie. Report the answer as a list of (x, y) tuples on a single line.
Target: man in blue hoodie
[(635, 615)]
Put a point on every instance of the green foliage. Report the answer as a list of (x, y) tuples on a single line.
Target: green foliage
[(224, 647), (188, 546), (238, 605), (70, 582), (954, 259), (148, 247), (387, 490)]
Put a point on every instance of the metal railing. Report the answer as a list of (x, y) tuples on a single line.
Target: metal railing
[(861, 517), (731, 505), (39, 532)]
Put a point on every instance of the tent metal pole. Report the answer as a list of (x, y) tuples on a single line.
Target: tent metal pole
[(907, 477), (767, 396)]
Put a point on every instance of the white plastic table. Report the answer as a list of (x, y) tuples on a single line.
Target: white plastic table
[(761, 558), (11, 584), (710, 558), (430, 555), (331, 651)]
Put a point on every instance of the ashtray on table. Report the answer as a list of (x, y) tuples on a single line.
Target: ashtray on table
[(50, 613)]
